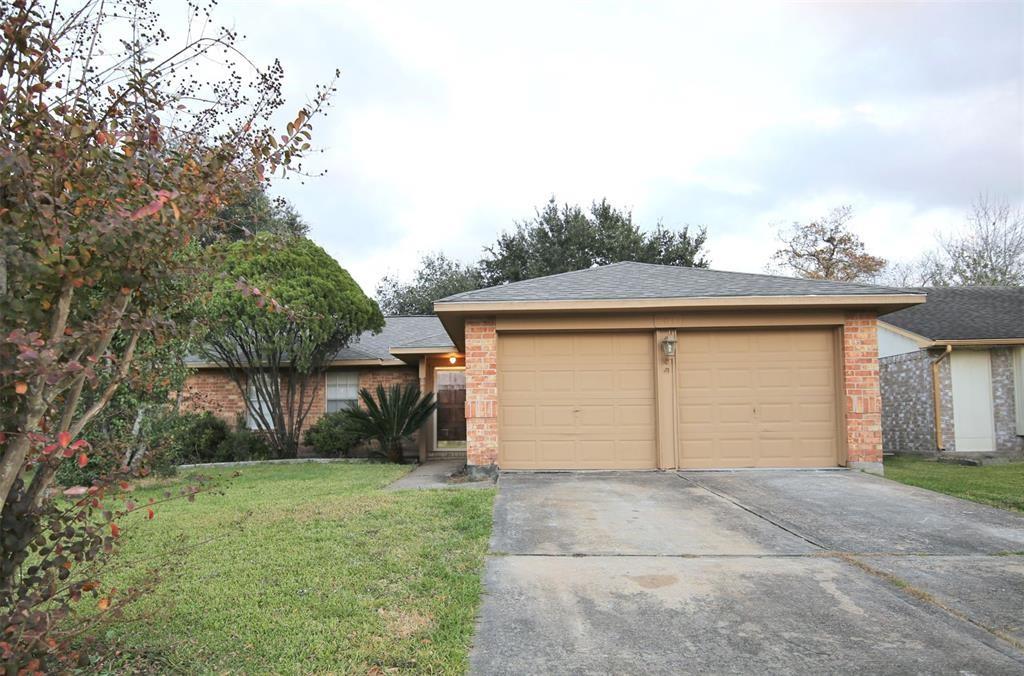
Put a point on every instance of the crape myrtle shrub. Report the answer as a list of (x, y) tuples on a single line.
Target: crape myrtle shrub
[(116, 157)]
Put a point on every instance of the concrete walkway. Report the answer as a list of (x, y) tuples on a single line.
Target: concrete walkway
[(747, 572), (434, 474)]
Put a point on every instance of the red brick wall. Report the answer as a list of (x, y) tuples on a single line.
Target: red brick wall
[(371, 378), (861, 385), (213, 390), (481, 392)]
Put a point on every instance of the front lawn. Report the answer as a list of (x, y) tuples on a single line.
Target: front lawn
[(996, 485), (310, 568)]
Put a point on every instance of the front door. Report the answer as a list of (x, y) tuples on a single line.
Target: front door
[(450, 385)]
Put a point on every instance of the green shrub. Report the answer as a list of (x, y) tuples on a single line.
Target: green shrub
[(197, 437), (332, 435), (104, 460), (242, 445)]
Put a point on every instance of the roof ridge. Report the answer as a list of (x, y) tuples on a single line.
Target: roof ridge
[(862, 285), (531, 279)]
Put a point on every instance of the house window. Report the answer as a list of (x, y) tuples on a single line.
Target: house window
[(342, 390), (257, 402), (1018, 387)]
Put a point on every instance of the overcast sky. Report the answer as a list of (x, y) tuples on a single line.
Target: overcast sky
[(454, 120)]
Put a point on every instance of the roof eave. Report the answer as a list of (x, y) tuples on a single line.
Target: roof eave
[(980, 342), (452, 313), (333, 362), (412, 355)]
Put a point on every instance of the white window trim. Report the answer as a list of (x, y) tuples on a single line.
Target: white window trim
[(1018, 387), (349, 390), (262, 406)]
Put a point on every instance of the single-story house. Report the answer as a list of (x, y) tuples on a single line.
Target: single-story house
[(410, 349), (952, 373), (638, 366)]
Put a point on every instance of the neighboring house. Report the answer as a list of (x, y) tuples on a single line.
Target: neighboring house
[(959, 360), (637, 366), (408, 350)]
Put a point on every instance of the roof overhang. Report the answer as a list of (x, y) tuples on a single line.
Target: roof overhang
[(453, 313), (978, 342), (411, 355), (925, 342), (334, 362)]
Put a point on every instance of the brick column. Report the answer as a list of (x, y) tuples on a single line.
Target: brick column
[(481, 395), (863, 394)]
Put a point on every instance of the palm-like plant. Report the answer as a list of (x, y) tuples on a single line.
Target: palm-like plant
[(391, 417)]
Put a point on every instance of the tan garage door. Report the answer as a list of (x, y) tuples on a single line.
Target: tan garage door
[(757, 398), (576, 401)]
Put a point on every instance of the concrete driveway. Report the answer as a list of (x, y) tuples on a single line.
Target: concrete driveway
[(747, 572)]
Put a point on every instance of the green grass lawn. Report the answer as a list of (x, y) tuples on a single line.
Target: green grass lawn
[(996, 485), (309, 568)]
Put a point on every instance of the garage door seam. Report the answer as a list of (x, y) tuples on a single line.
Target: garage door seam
[(754, 512)]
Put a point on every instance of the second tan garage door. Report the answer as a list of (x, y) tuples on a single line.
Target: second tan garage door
[(576, 401), (757, 398)]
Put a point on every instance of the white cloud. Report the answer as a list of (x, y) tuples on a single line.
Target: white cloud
[(453, 120)]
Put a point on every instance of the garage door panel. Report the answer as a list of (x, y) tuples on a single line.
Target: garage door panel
[(588, 381), (520, 451), (593, 408), (641, 416), (520, 381), (735, 413), (555, 381), (561, 419), (592, 416), (519, 416), (757, 398), (636, 381)]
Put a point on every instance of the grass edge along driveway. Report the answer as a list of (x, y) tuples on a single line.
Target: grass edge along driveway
[(997, 485), (307, 568)]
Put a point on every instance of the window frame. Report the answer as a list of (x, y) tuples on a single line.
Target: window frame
[(352, 401), (252, 393)]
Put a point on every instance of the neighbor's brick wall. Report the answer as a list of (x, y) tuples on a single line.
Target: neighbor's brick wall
[(946, 401), (908, 412), (862, 389), (1003, 401), (481, 392)]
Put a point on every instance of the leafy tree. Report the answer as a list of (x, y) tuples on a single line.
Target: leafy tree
[(826, 249), (989, 252), (278, 349), (393, 416), (111, 162), (567, 237), (257, 212), (438, 276)]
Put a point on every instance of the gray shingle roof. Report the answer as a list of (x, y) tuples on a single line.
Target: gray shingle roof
[(404, 331), (436, 340), (964, 313), (398, 332), (633, 281)]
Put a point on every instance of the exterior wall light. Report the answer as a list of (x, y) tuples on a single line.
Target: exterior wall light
[(452, 359), (668, 347)]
